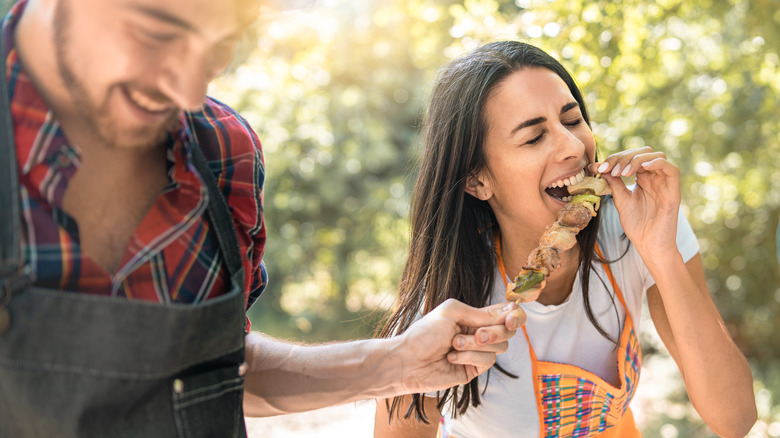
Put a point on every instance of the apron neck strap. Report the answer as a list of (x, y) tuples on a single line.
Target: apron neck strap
[(219, 213), (10, 258), (612, 280)]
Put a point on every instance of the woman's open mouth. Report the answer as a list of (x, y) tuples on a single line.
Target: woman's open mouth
[(559, 190)]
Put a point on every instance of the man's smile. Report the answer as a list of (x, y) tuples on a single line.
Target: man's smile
[(148, 103)]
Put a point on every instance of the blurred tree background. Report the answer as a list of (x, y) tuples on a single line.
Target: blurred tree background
[(336, 91)]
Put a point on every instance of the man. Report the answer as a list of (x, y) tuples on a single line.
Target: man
[(124, 186)]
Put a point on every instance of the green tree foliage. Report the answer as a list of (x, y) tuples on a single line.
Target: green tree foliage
[(5, 5), (336, 93)]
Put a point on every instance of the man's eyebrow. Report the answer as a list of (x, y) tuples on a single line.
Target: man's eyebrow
[(162, 15)]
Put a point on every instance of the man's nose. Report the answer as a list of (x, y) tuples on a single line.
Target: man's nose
[(186, 78), (186, 88)]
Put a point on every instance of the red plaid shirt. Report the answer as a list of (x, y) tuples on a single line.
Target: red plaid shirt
[(172, 257)]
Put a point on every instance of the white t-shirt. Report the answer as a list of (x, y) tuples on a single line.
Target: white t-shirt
[(562, 333)]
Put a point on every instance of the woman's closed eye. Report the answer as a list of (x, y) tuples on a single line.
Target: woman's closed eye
[(536, 139), (540, 136)]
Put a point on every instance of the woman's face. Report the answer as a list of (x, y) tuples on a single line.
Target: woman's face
[(536, 139)]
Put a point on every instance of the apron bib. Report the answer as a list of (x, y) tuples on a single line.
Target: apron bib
[(76, 365), (573, 402)]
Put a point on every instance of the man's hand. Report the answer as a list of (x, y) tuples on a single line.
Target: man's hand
[(454, 343), (449, 346)]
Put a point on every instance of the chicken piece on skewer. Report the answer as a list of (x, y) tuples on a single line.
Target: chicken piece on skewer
[(561, 236)]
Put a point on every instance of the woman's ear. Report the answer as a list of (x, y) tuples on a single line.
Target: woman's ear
[(478, 187)]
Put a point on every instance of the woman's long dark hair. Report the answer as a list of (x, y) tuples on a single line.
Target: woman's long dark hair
[(451, 253)]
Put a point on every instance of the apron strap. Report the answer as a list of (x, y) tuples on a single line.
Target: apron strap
[(219, 214), (612, 280), (10, 259)]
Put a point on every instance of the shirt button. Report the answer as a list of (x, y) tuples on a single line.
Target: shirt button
[(242, 369), (63, 161), (178, 386)]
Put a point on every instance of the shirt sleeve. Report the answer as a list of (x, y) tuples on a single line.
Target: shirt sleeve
[(234, 144), (258, 275), (686, 239)]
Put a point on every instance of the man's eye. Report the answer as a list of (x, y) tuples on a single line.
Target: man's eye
[(573, 122), (157, 37)]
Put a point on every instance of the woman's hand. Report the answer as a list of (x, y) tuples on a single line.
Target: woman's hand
[(648, 214)]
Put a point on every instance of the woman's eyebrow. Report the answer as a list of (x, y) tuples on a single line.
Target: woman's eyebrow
[(538, 120), (528, 123), (569, 106)]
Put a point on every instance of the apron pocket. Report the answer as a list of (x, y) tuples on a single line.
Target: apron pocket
[(209, 404)]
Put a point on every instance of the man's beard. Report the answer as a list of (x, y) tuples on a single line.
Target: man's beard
[(97, 117)]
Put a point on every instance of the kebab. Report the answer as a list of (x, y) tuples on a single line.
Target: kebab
[(561, 236)]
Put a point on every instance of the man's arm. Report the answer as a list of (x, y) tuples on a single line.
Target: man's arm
[(441, 350)]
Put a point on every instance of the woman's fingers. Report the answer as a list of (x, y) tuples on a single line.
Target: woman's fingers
[(661, 165), (632, 162), (626, 163)]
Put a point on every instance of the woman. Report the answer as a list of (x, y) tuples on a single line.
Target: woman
[(506, 124)]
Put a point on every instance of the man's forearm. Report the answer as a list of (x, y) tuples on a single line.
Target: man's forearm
[(438, 351), (284, 378)]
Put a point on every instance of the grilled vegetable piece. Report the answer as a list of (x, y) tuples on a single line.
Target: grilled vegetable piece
[(561, 237), (590, 184), (592, 202), (527, 279)]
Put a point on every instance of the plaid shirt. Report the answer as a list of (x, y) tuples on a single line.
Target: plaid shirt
[(172, 257)]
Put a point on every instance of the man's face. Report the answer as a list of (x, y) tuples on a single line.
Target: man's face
[(129, 66)]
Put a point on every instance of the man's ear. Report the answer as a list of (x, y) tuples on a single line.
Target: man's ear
[(478, 187)]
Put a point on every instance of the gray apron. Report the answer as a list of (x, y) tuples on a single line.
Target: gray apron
[(78, 365)]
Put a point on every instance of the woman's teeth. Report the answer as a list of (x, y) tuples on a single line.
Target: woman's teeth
[(568, 181), (558, 189)]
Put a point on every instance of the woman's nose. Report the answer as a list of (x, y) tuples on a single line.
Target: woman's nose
[(568, 145)]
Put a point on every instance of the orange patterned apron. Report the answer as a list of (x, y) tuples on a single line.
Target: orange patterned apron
[(573, 402)]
